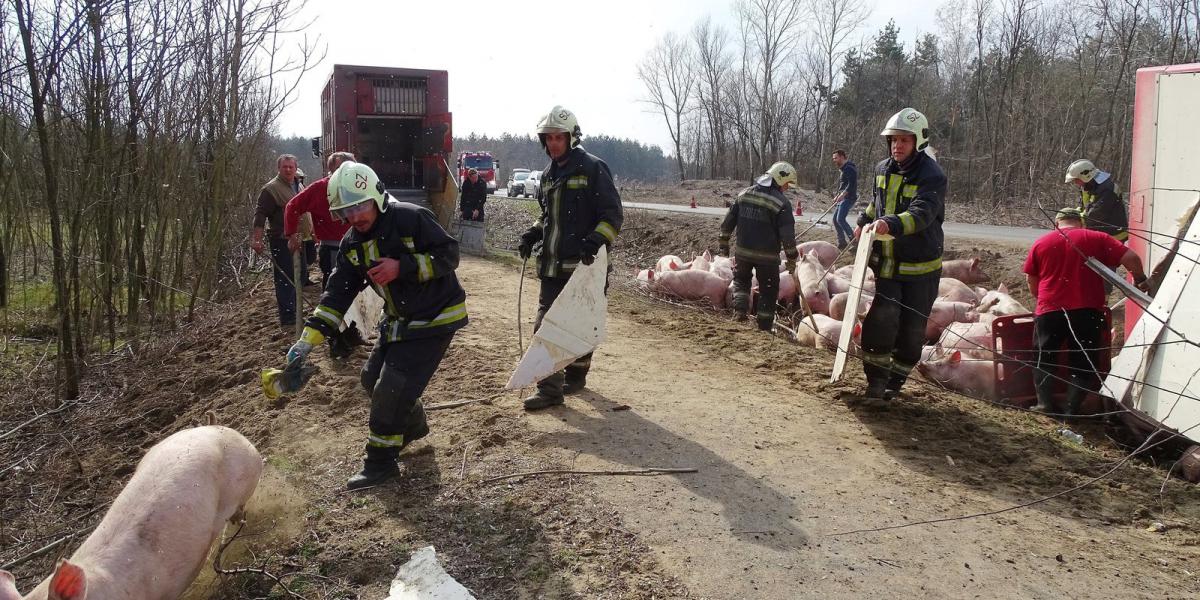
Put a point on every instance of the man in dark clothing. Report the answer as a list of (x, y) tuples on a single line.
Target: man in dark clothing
[(763, 218), (473, 195), (409, 260), (270, 212), (907, 211), (1101, 204), (846, 197), (581, 211), (1070, 303)]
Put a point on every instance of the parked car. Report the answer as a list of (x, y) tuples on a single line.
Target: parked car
[(533, 185), (516, 182)]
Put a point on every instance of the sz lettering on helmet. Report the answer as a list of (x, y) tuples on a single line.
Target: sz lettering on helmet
[(360, 181), (563, 115), (912, 117)]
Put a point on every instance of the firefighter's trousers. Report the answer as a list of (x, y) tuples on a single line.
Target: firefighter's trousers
[(768, 290), (894, 330), (395, 376), (552, 386)]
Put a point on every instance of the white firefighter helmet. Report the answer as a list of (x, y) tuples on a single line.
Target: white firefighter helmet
[(351, 185), (1082, 169), (780, 173), (560, 120), (909, 121)]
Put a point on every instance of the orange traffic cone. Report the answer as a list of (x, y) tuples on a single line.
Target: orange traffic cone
[(799, 208), (693, 202)]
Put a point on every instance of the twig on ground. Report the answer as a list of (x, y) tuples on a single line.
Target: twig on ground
[(40, 551), (61, 407), (458, 403), (649, 471), (884, 561), (255, 570), (463, 469)]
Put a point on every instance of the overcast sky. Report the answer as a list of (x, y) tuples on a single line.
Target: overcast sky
[(511, 61)]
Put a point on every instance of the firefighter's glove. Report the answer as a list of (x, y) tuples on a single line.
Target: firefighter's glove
[(591, 245), (342, 345), (723, 250), (1142, 283), (790, 266), (308, 340)]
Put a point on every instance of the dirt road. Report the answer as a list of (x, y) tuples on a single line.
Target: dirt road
[(785, 467)]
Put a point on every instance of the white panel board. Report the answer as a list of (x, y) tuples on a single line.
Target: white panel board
[(1176, 176)]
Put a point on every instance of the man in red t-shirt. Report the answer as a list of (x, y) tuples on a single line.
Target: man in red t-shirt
[(328, 231), (1070, 300)]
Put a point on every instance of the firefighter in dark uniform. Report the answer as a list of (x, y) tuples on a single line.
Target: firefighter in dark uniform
[(408, 259), (1101, 204), (581, 211), (472, 196), (907, 209), (763, 218)]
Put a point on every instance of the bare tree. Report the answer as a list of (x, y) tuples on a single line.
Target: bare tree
[(668, 76)]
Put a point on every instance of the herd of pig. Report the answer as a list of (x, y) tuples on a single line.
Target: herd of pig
[(958, 331)]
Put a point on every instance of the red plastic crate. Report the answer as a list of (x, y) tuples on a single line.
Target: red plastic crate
[(1013, 339)]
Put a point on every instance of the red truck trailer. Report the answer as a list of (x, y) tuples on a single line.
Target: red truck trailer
[(397, 121)]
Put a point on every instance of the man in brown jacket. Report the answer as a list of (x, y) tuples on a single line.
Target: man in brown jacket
[(269, 212)]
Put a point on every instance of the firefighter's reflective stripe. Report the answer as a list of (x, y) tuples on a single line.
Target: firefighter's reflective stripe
[(756, 256), (909, 191), (448, 315), (554, 232), (907, 222), (608, 231), (424, 267), (921, 268), (890, 195), (329, 316), (883, 359), (409, 243), (352, 256), (371, 250), (577, 182), (768, 202), (902, 367), (1122, 236), (379, 440)]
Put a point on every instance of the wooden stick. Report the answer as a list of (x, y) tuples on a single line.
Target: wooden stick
[(649, 471), (61, 407), (458, 403), (40, 551)]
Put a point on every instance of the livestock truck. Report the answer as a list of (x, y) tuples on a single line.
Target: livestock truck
[(397, 121)]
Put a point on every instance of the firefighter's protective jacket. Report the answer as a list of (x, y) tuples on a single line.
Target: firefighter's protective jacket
[(1102, 207), (425, 300), (912, 202), (579, 201), (763, 218)]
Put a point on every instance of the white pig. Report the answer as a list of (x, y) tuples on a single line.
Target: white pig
[(702, 262), (787, 288), (970, 376), (999, 303), (826, 252), (692, 285), (668, 262), (722, 266), (827, 334), (973, 339), (943, 314), (156, 536), (954, 290), (965, 270), (813, 288), (837, 304), (837, 285)]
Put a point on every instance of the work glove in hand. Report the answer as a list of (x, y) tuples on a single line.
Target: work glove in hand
[(528, 239), (790, 266), (342, 345), (723, 250), (589, 249), (308, 340)]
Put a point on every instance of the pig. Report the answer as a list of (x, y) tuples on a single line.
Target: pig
[(837, 305), (787, 288), (668, 262), (954, 290), (980, 292), (826, 252), (644, 276), (722, 266), (965, 270), (810, 272), (971, 376), (702, 262), (156, 536), (999, 303), (836, 284), (827, 334), (692, 285), (973, 339), (943, 314)]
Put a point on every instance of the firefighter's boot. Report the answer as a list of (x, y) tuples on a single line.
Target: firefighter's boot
[(418, 426), (1045, 395), (550, 393), (575, 375), (379, 465), (873, 397)]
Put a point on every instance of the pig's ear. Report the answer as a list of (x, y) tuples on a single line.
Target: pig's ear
[(68, 582), (956, 357), (1003, 289), (650, 274), (8, 587), (708, 255), (974, 262)]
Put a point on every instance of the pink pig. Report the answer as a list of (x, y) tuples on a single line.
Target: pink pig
[(156, 536), (965, 270), (669, 262), (826, 252), (691, 285), (813, 288), (943, 314), (954, 290), (999, 303), (837, 305), (702, 262), (836, 284), (787, 288), (974, 339), (970, 376), (827, 334), (722, 266)]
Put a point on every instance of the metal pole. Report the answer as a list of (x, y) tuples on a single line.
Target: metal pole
[(520, 289), (296, 283)]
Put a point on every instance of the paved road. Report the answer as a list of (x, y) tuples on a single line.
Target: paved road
[(993, 233)]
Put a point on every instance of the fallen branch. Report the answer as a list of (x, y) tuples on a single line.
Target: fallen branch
[(255, 570), (458, 403), (61, 407), (40, 551), (650, 471)]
